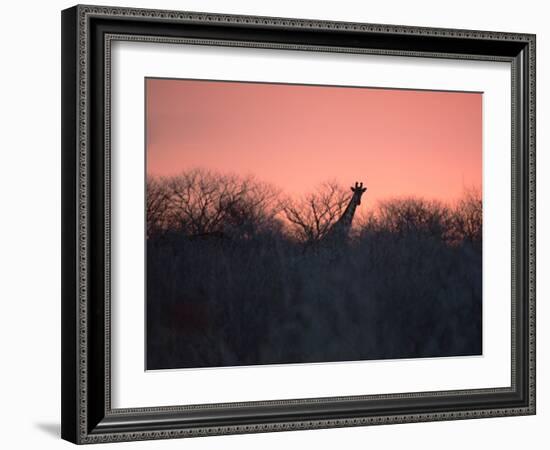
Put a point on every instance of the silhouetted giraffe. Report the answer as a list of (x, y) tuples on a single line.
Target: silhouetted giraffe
[(340, 229)]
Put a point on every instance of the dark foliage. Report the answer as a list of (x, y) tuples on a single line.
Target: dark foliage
[(230, 282)]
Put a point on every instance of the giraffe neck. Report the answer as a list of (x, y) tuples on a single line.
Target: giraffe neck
[(343, 225), (347, 217)]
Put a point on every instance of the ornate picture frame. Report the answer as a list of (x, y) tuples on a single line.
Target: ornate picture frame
[(88, 415)]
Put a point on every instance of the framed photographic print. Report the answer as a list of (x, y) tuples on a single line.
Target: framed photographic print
[(268, 221)]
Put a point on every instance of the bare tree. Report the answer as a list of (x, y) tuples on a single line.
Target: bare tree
[(452, 224), (254, 210), (468, 217), (312, 216), (196, 201), (157, 205), (409, 215), (201, 202)]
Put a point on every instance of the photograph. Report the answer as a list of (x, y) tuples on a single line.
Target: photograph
[(302, 223), (283, 219)]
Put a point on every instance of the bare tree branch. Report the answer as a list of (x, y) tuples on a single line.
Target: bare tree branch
[(312, 216), (199, 202)]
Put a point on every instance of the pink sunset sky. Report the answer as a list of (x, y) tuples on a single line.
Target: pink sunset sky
[(397, 142)]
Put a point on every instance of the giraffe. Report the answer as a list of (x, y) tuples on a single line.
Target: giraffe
[(340, 229)]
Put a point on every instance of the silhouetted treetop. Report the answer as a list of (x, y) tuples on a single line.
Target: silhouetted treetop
[(312, 216), (200, 202), (415, 216)]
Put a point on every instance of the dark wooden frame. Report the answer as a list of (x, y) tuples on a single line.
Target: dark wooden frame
[(87, 31)]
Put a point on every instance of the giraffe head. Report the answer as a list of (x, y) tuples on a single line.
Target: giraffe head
[(358, 191)]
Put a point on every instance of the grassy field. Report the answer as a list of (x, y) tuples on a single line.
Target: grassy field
[(406, 284)]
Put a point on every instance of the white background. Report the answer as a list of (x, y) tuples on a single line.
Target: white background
[(30, 225), (133, 387)]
